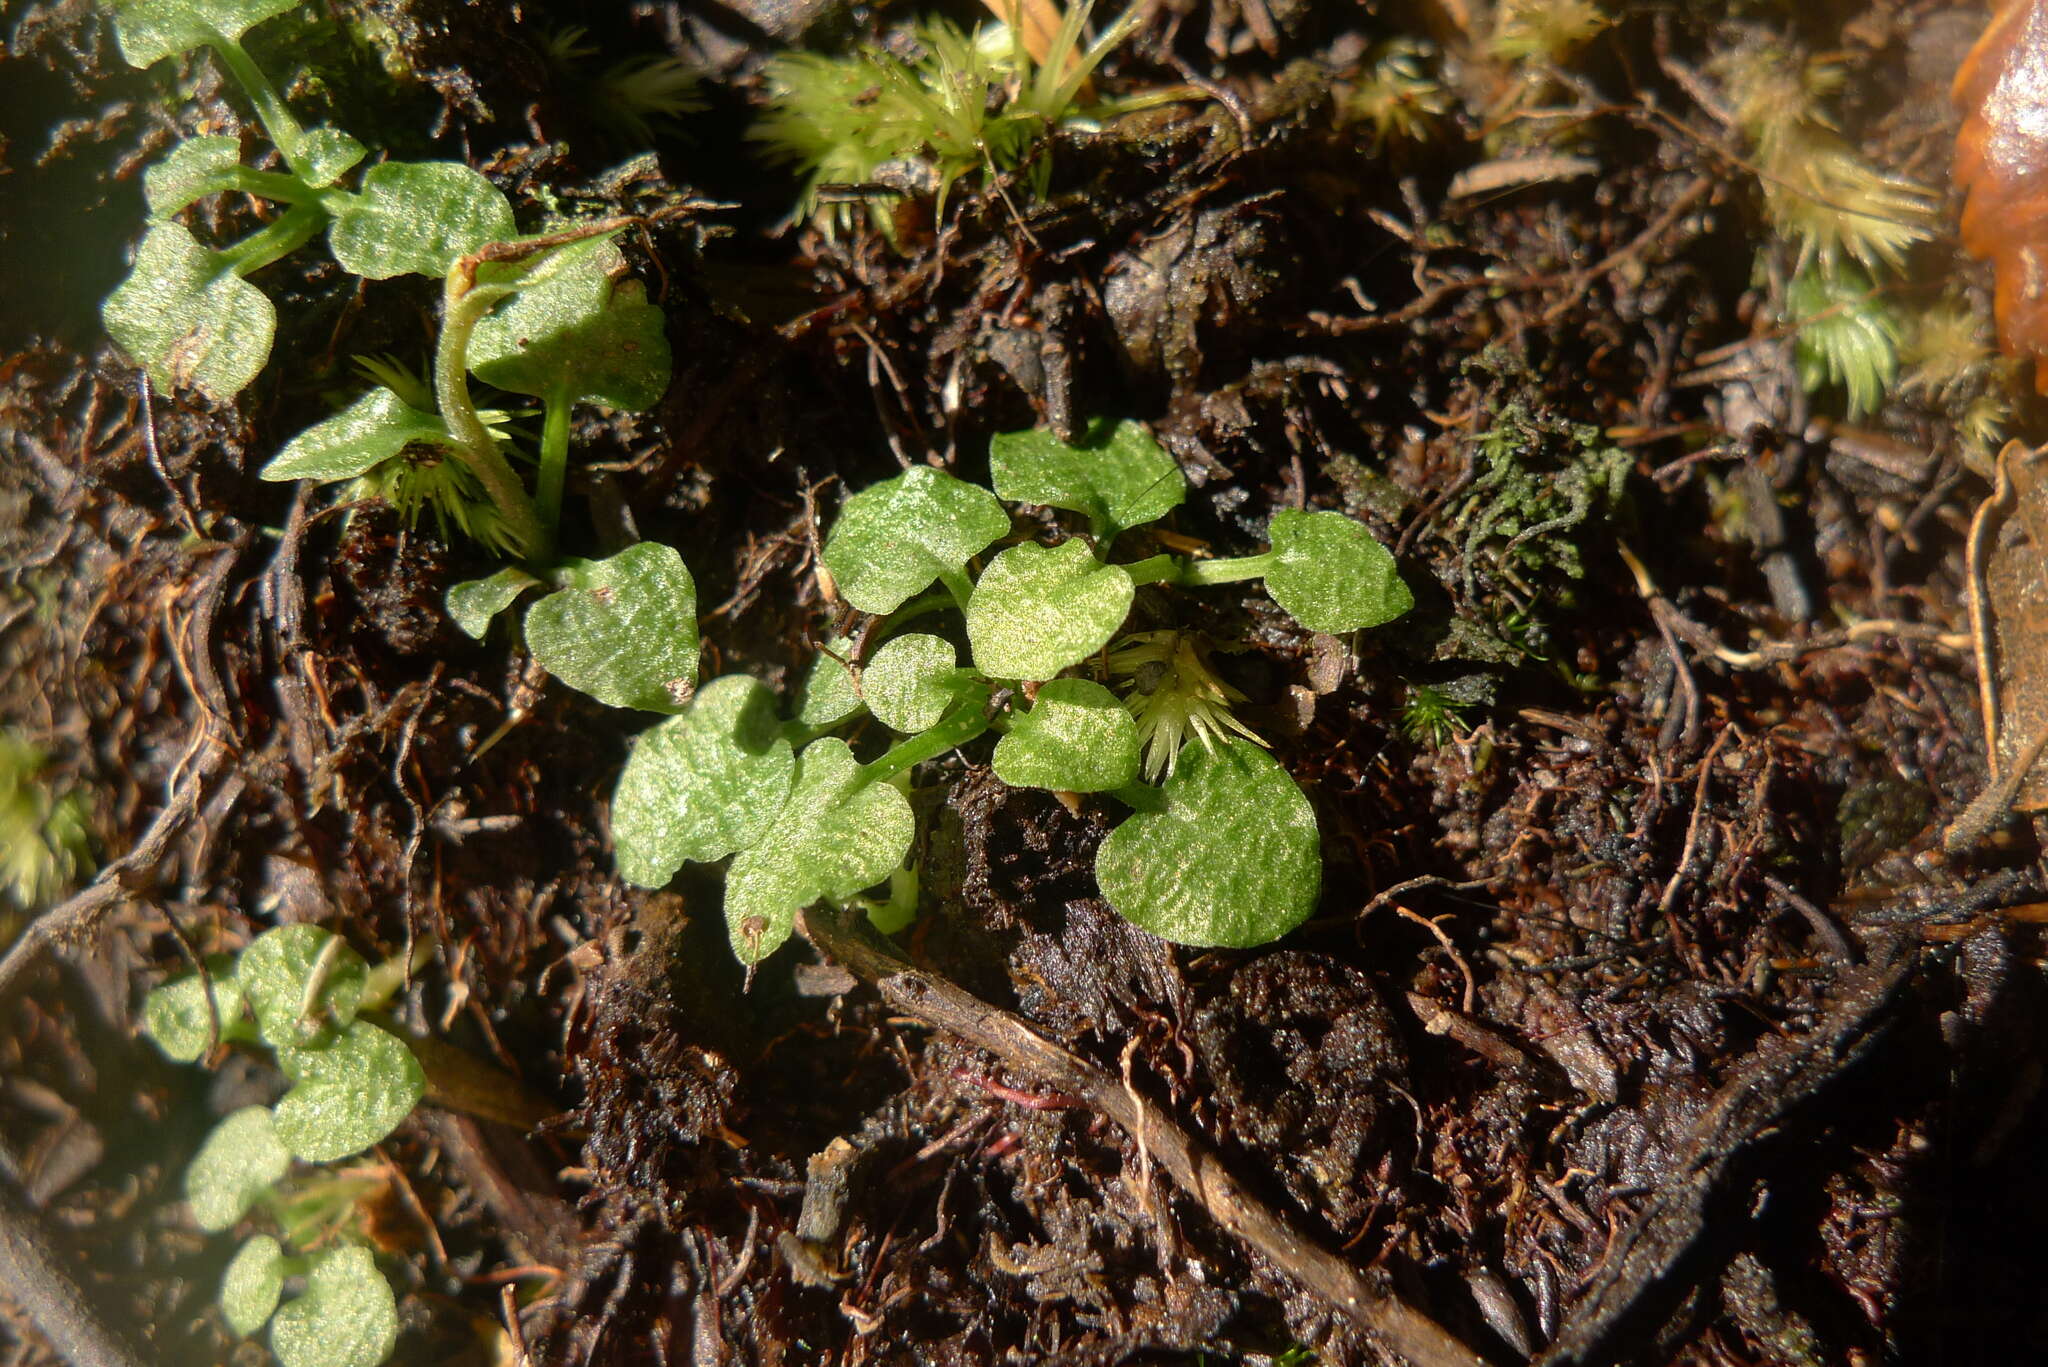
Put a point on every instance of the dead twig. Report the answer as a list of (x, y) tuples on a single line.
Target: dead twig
[(1193, 1166)]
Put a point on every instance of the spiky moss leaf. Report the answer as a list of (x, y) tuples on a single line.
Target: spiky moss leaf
[(187, 318), (1037, 610), (254, 1281), (1076, 738), (624, 630), (346, 1318), (238, 1163), (701, 785), (911, 682), (894, 538), (368, 432), (177, 1017), (1848, 335), (277, 968), (347, 1093), (829, 696), (1229, 858), (581, 329), (1331, 575), (151, 30), (834, 837), (1118, 477), (417, 217), (474, 602)]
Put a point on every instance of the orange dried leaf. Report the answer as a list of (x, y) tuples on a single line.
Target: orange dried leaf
[(2002, 167)]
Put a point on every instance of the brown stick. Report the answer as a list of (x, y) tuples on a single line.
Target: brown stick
[(1197, 1168)]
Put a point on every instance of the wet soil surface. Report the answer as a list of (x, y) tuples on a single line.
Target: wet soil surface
[(1644, 1018)]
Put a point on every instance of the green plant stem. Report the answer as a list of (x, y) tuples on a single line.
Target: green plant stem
[(1201, 573), (1160, 569), (271, 110), (554, 463), (463, 307), (278, 186), (957, 585), (955, 729), (296, 227)]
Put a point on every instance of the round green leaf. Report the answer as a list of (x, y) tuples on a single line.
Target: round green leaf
[(176, 1015), (579, 329), (701, 785), (474, 602), (238, 1163), (151, 30), (194, 169), (894, 538), (1331, 575), (834, 837), (254, 1280), (829, 696), (1118, 477), (187, 318), (417, 217), (347, 1093), (624, 630), (1039, 609), (911, 682), (346, 1318), (1077, 738), (278, 967), (327, 154), (373, 429), (1231, 858)]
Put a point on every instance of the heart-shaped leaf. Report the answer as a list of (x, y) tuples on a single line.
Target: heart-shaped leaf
[(701, 785), (177, 1017), (894, 538), (474, 602), (254, 1281), (327, 154), (187, 318), (911, 681), (1076, 738), (417, 217), (1039, 609), (238, 1163), (279, 970), (834, 837), (1331, 575), (346, 1318), (624, 630), (1230, 858), (347, 1093), (151, 30), (579, 330), (194, 169), (368, 432), (829, 696), (1119, 477)]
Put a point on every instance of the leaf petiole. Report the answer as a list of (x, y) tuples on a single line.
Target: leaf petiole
[(271, 111), (1202, 573), (293, 229), (956, 728)]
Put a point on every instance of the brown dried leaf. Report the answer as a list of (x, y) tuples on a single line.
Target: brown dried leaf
[(2002, 166)]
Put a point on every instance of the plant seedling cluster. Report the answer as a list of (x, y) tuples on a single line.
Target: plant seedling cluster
[(1222, 851), (304, 994)]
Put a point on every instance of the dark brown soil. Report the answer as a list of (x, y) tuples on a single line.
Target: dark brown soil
[(1644, 1019)]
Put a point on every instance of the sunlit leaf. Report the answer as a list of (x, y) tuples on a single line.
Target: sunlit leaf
[(1037, 610), (894, 538), (347, 1093), (417, 217), (187, 318), (1331, 575), (301, 982), (151, 30), (581, 329), (829, 696), (911, 681), (254, 1281), (1118, 476), (178, 1018), (368, 432), (1077, 737), (624, 630), (346, 1318), (238, 1163), (474, 602)]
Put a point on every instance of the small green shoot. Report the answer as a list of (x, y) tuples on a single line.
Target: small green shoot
[(45, 843), (1848, 335)]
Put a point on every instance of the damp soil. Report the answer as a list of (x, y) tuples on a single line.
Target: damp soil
[(1644, 1018)]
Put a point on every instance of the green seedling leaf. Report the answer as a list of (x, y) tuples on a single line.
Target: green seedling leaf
[(194, 169), (301, 982), (368, 432), (624, 630), (834, 837), (582, 331), (474, 602), (1077, 738), (151, 30), (1331, 575), (346, 1318), (894, 538), (187, 318), (417, 217), (829, 695), (702, 785), (911, 682), (1119, 478), (328, 154), (176, 1015), (347, 1093), (238, 1163), (254, 1281), (1231, 858), (1039, 609)]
